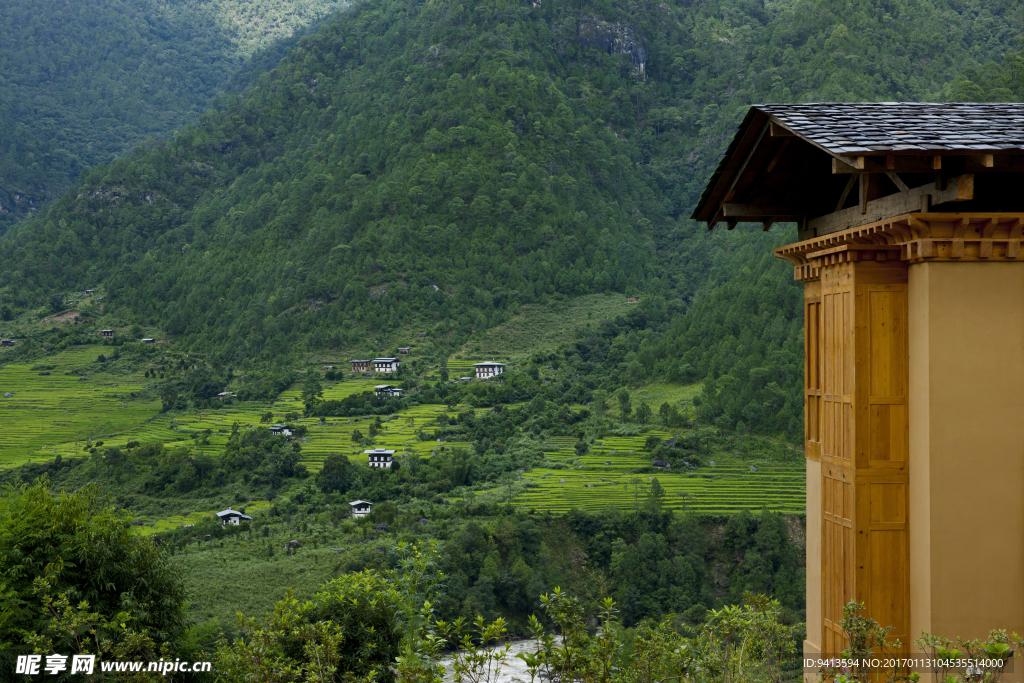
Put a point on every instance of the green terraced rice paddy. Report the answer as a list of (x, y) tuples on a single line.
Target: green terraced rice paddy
[(463, 367), (56, 413), (729, 486)]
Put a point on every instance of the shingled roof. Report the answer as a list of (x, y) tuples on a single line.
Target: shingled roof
[(793, 162), (905, 127)]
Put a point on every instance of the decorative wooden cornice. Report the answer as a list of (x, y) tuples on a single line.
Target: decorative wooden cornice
[(914, 238)]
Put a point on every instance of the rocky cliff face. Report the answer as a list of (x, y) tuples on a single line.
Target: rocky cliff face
[(614, 38), (18, 202)]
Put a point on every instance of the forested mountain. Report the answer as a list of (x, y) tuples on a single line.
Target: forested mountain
[(437, 164), (83, 82)]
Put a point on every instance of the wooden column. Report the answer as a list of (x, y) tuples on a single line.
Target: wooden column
[(914, 389), (856, 431)]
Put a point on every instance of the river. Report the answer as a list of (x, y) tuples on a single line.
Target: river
[(513, 670)]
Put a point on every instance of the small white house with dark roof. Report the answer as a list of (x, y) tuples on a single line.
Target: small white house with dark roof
[(360, 508), (278, 430), (148, 340), (385, 365), (488, 369), (380, 457), (386, 391), (230, 516)]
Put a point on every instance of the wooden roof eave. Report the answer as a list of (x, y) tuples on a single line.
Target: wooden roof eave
[(708, 207), (714, 206)]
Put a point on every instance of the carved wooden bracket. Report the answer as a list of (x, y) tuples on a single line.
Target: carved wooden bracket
[(912, 237)]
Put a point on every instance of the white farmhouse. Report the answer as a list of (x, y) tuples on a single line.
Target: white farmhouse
[(488, 369), (380, 457), (279, 430), (230, 516), (360, 508), (385, 365), (387, 391)]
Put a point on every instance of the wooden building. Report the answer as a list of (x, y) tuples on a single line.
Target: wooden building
[(488, 369), (280, 430), (109, 334), (361, 365), (380, 457), (148, 340), (7, 342), (910, 220), (387, 365), (403, 350), (360, 508)]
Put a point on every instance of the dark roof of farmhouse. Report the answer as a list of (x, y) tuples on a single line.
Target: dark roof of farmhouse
[(796, 162), (905, 127)]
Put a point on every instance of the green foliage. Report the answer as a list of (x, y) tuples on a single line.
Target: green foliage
[(990, 82), (748, 643), (72, 98), (349, 632), (625, 406), (401, 167), (72, 561), (337, 475)]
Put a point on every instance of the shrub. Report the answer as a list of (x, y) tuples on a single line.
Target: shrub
[(89, 567), (352, 627)]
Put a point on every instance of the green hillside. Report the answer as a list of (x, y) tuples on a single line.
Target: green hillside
[(428, 169), (476, 180), (82, 83)]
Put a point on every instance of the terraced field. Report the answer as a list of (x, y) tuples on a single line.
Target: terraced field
[(603, 477), (463, 367), (57, 412)]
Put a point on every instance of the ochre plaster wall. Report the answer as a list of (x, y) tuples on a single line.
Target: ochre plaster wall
[(966, 402)]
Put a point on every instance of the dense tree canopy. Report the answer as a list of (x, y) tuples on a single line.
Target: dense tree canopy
[(84, 82), (87, 550), (432, 166)]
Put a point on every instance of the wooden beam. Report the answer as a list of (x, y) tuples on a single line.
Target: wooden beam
[(865, 188), (958, 189), (778, 154), (746, 161), (897, 181), (780, 131), (846, 192), (753, 211)]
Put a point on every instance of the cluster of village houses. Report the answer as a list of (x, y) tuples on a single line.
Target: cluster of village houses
[(360, 508), (377, 457), (390, 366)]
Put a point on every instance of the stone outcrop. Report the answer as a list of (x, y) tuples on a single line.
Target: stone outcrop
[(615, 39)]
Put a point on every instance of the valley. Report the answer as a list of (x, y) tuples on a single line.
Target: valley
[(208, 208)]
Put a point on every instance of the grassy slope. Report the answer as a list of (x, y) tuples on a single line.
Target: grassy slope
[(539, 328), (56, 413), (59, 412)]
